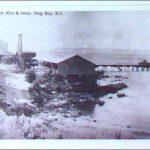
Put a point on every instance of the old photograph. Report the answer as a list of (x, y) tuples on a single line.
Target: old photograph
[(74, 75)]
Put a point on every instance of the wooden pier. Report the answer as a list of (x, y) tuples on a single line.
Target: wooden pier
[(127, 67)]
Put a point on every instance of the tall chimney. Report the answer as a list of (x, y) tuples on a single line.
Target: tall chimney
[(19, 51)]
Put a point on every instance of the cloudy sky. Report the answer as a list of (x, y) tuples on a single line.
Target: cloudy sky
[(117, 32)]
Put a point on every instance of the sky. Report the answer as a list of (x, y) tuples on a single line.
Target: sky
[(120, 32)]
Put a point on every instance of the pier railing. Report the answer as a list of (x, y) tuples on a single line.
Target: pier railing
[(125, 67)]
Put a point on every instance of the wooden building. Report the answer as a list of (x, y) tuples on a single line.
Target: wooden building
[(8, 59), (76, 65), (79, 71), (24, 59), (72, 66)]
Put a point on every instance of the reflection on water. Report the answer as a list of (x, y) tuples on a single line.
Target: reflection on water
[(115, 78)]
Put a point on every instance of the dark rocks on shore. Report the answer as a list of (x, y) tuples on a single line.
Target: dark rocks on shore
[(25, 109), (121, 95), (128, 126), (53, 92), (101, 103), (104, 76), (113, 88), (118, 76)]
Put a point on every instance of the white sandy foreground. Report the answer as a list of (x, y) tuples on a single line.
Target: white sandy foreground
[(126, 115)]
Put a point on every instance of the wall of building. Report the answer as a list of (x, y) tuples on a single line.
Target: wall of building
[(76, 66)]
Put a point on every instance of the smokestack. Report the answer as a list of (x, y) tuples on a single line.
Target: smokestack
[(19, 51)]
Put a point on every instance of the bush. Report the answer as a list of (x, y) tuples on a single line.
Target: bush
[(38, 99), (35, 93), (24, 109), (118, 135), (30, 76)]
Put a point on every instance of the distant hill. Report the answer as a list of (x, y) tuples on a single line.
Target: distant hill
[(97, 58), (99, 50)]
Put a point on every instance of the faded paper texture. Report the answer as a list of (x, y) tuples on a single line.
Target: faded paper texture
[(74, 75)]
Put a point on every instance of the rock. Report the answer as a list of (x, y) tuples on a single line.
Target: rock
[(118, 135), (106, 76), (117, 76), (36, 137), (60, 137), (97, 102), (128, 126), (74, 119), (80, 113), (25, 109), (101, 103), (94, 120), (50, 87), (66, 116), (1, 92), (53, 92), (121, 95), (110, 97)]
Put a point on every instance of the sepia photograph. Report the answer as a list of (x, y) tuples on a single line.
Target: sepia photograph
[(74, 74)]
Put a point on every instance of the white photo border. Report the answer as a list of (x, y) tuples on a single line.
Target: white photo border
[(75, 6)]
